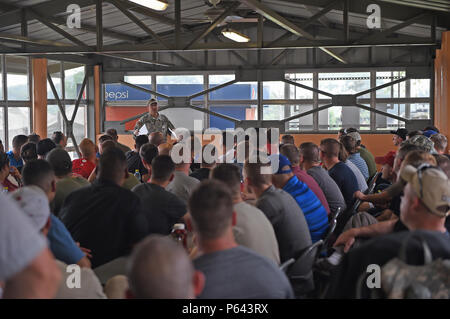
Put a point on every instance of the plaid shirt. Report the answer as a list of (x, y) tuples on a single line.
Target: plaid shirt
[(158, 124)]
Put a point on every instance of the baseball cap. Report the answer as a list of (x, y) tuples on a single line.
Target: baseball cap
[(284, 165), (402, 132), (152, 101), (433, 187), (355, 135), (429, 133), (421, 141), (386, 159), (34, 203)]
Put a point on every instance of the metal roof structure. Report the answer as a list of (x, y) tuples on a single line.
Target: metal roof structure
[(133, 34)]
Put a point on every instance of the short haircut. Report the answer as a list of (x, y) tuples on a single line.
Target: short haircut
[(112, 132), (349, 144), (159, 268), (230, 175), (112, 164), (310, 152), (288, 139), (405, 149), (211, 208), (18, 141), (34, 138), (4, 160), (57, 137), (87, 147), (28, 151), (39, 173), (156, 138), (417, 158), (107, 144), (162, 167), (331, 147), (291, 152), (253, 172), (443, 162), (148, 152), (61, 162), (141, 140), (44, 146), (440, 141), (104, 138)]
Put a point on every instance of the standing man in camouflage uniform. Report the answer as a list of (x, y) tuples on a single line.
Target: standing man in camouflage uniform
[(154, 121)]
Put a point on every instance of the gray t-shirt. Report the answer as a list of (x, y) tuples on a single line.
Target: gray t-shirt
[(362, 184), (20, 242), (288, 222), (240, 273), (329, 187), (253, 230), (182, 185)]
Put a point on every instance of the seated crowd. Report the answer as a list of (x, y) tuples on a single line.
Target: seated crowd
[(139, 225)]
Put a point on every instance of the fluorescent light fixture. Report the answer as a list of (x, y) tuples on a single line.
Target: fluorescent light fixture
[(235, 36), (159, 5)]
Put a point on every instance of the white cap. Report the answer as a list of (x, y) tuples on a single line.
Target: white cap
[(34, 203), (178, 226)]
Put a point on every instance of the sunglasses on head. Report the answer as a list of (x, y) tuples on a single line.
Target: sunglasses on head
[(420, 170)]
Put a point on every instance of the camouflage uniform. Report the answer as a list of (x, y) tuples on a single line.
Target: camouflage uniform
[(158, 124)]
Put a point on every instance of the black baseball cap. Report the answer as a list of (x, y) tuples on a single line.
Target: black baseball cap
[(402, 132)]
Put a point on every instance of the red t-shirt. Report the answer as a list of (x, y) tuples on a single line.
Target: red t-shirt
[(82, 167), (9, 184), (312, 184)]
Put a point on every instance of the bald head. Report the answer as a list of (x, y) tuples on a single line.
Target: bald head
[(159, 268)]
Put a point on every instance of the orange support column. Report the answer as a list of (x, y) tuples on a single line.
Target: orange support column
[(442, 86), (97, 99), (40, 97)]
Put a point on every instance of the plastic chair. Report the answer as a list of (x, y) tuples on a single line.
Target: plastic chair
[(300, 270)]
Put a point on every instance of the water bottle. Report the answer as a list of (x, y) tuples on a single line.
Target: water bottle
[(137, 175), (179, 234)]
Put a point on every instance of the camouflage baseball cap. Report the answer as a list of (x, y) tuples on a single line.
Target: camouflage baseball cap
[(355, 135), (421, 141), (431, 185)]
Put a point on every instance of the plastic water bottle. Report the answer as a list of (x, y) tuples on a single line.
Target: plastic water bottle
[(137, 175), (179, 234)]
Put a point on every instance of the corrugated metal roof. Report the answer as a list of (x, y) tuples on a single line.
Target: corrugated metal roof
[(193, 12)]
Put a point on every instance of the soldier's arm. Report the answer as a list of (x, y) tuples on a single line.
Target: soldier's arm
[(138, 125)]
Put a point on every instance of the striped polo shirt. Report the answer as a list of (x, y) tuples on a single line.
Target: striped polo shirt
[(315, 213)]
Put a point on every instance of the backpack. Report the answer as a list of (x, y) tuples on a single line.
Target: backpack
[(430, 280)]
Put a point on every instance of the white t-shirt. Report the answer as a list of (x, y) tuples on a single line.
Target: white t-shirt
[(20, 242)]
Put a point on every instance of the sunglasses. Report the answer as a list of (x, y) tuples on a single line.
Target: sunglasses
[(420, 170)]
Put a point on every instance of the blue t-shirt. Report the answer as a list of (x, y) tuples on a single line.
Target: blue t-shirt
[(13, 162), (360, 163), (346, 181), (62, 245), (315, 213)]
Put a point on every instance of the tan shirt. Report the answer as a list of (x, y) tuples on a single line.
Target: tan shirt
[(254, 231)]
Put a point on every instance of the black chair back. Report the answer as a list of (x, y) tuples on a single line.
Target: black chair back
[(300, 270)]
